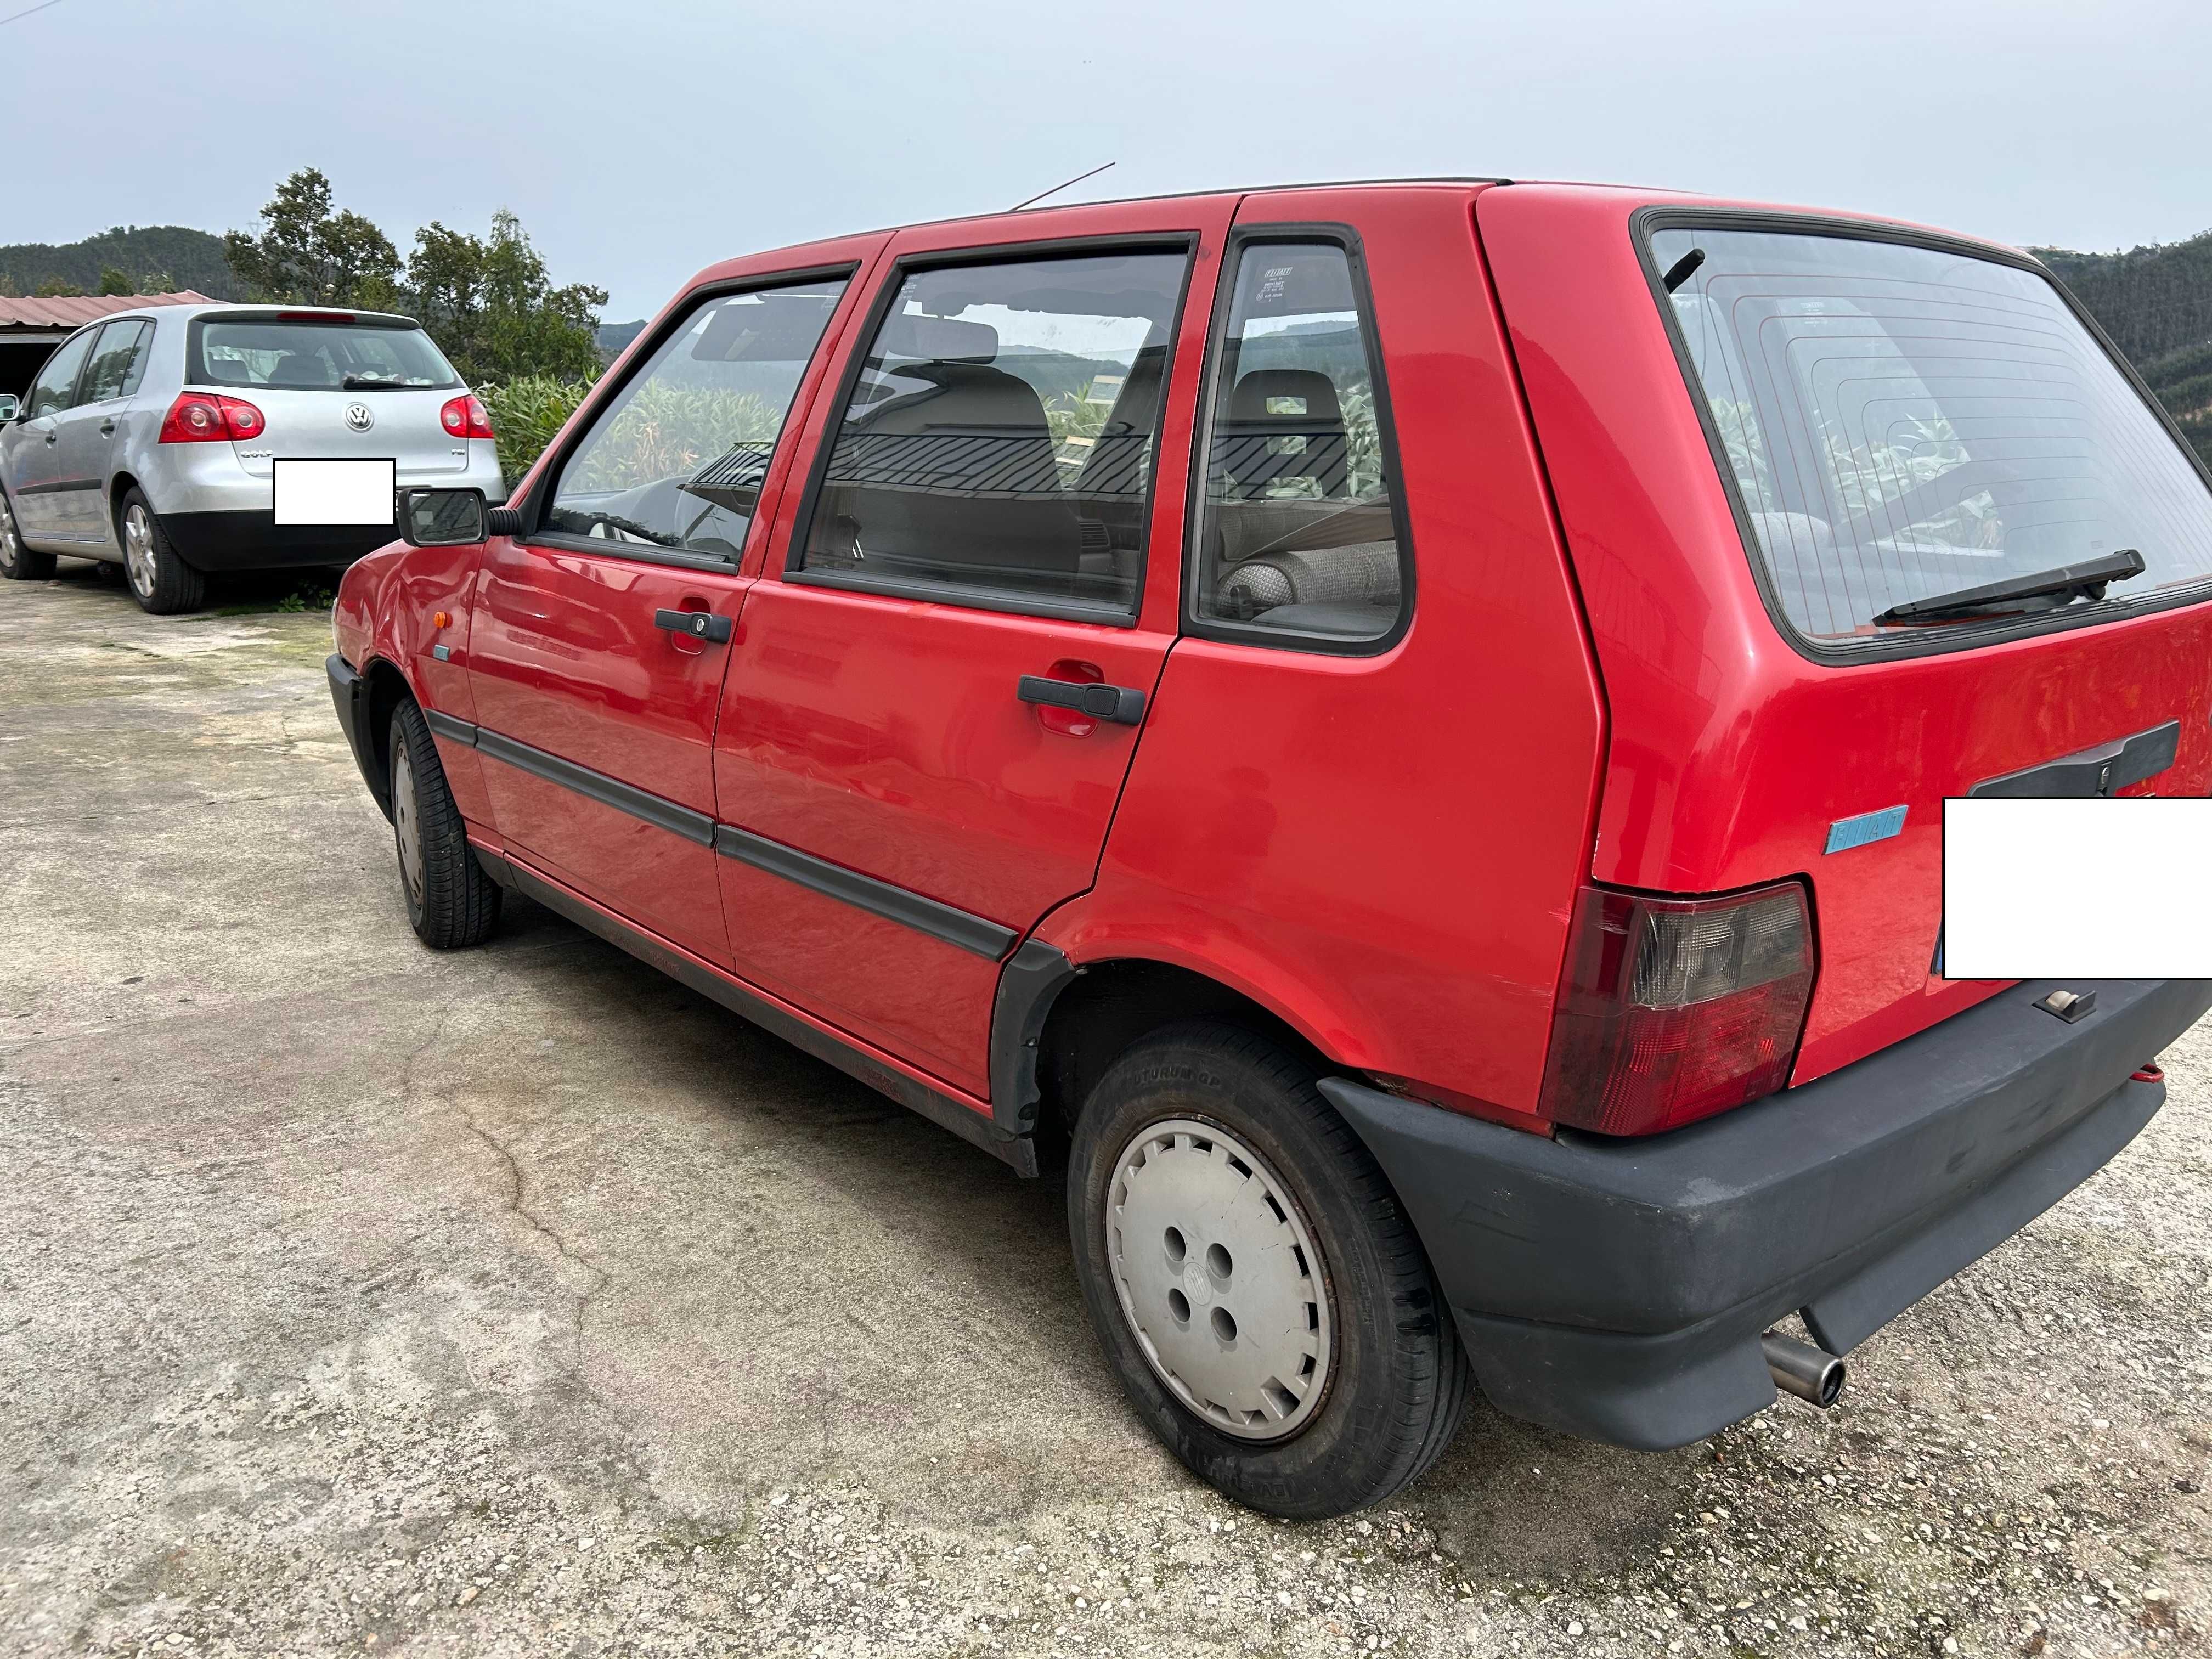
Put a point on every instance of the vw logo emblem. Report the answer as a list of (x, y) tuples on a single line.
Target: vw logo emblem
[(358, 417)]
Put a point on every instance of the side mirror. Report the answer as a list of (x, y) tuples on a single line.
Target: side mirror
[(442, 517), (11, 407)]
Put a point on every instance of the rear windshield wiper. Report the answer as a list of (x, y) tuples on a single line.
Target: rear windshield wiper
[(2085, 580), (372, 383)]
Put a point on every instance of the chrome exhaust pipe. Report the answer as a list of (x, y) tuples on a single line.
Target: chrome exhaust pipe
[(1801, 1369)]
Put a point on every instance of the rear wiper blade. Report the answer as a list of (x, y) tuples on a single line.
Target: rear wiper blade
[(2084, 581), (372, 383)]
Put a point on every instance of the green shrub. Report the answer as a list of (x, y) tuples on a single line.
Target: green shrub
[(665, 430), (527, 412)]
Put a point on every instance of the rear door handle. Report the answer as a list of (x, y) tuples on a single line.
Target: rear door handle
[(107, 427), (698, 624), (1122, 704)]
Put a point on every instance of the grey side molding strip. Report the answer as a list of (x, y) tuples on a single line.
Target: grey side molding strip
[(962, 928), (446, 725), (608, 792)]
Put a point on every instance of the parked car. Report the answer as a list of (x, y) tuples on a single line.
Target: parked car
[(151, 440), (1395, 733)]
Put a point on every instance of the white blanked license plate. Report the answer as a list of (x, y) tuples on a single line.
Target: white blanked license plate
[(335, 492)]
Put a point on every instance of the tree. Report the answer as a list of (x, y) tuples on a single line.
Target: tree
[(494, 311), (488, 302), (307, 254), (55, 289), (112, 281)]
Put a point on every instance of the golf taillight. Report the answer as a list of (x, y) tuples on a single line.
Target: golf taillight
[(206, 417), (1670, 1009), (465, 417)]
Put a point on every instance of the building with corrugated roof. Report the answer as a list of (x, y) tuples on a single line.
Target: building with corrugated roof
[(31, 329)]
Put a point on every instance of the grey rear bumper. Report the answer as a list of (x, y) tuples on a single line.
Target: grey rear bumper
[(1618, 1289)]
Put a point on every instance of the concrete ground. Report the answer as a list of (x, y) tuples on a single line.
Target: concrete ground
[(520, 1301)]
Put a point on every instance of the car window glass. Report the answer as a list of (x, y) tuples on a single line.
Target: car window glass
[(676, 460), (119, 362), (997, 448), (318, 356), (1296, 531), (1903, 422), (56, 386)]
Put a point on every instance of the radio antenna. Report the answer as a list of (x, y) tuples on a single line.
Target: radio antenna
[(1056, 189)]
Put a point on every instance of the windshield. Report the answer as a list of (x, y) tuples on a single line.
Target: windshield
[(1906, 422), (311, 356)]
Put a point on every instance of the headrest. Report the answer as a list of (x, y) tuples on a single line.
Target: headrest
[(766, 328), (1301, 398), (301, 368)]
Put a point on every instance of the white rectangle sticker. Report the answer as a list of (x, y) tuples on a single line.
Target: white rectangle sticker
[(2078, 889), (335, 492)]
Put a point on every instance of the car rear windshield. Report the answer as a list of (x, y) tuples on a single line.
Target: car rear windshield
[(1904, 422), (297, 355)]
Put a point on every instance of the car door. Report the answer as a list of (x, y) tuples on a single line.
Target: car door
[(939, 684), (88, 431), (597, 639), (36, 481)]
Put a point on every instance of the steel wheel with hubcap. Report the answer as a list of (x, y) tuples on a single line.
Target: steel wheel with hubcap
[(161, 582), (1219, 1277), (1252, 1277), (18, 563)]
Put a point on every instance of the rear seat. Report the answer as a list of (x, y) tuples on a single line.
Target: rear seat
[(1326, 566)]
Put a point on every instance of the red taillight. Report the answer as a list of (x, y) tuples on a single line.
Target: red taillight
[(1670, 1009), (206, 417), (465, 417), (245, 420)]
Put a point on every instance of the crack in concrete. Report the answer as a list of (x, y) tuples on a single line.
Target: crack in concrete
[(517, 1198)]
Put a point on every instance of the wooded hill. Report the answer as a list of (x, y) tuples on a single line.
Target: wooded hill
[(156, 258), (2156, 303)]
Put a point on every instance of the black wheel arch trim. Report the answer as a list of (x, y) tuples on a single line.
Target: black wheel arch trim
[(1029, 985)]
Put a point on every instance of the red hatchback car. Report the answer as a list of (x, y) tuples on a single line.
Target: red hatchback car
[(1395, 732)]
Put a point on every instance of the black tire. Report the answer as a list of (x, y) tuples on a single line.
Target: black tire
[(19, 563), (161, 582), (1397, 1380), (454, 905)]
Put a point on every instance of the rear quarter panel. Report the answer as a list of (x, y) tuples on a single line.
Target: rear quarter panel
[(1383, 849), (1731, 753)]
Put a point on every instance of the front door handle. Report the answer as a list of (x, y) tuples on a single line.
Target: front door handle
[(1122, 704), (697, 624)]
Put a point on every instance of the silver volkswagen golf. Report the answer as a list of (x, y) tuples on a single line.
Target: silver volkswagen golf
[(156, 440)]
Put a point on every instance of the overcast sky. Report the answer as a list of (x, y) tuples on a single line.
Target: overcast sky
[(640, 142)]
